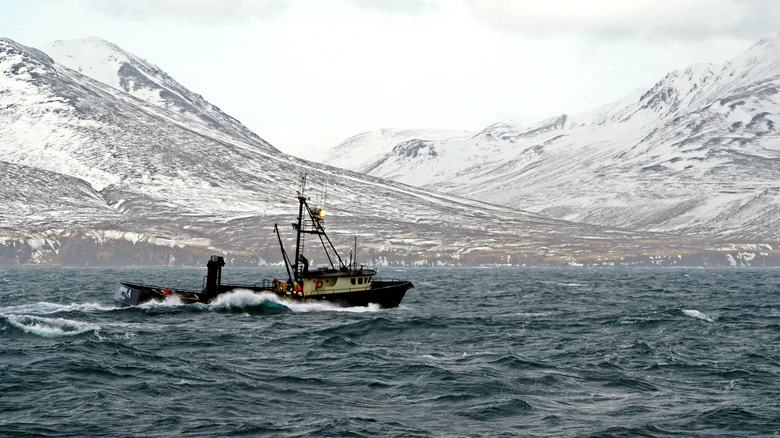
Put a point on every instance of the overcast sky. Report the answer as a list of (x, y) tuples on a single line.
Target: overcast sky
[(307, 74)]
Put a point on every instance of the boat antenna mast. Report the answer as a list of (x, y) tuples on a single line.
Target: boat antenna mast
[(311, 225), (298, 226)]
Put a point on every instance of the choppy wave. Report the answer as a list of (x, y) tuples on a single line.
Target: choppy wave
[(170, 301), (47, 308), (699, 315), (243, 298), (472, 352), (31, 318), (34, 319), (50, 327)]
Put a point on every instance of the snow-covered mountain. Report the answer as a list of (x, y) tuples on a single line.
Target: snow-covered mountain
[(108, 63), (698, 153), (361, 151), (95, 172)]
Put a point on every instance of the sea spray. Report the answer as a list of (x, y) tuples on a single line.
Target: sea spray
[(242, 298)]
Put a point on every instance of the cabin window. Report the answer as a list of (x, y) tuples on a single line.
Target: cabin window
[(360, 280), (353, 280)]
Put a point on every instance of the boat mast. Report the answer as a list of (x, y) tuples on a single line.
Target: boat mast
[(299, 227), (287, 263), (311, 225)]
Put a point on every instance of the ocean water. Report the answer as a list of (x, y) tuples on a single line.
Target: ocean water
[(470, 352)]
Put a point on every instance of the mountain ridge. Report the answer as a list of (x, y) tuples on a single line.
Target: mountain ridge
[(692, 154), (111, 65), (96, 175)]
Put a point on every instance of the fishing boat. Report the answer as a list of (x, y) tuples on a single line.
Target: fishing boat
[(340, 282)]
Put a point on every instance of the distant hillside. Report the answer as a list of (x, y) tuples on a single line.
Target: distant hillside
[(698, 153), (119, 164)]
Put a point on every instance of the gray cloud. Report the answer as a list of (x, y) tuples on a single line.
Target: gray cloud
[(197, 11), (407, 7), (651, 19)]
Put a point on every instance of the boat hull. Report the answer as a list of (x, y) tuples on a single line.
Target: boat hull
[(385, 293)]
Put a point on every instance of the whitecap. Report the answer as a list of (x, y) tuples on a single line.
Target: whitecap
[(46, 308), (240, 298), (559, 283), (532, 314), (169, 301), (49, 327), (699, 315), (324, 306), (93, 307)]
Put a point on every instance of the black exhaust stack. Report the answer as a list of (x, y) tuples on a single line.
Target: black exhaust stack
[(214, 276)]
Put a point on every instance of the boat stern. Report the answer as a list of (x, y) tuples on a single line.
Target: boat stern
[(127, 295)]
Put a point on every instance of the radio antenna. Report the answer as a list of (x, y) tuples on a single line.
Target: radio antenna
[(302, 186)]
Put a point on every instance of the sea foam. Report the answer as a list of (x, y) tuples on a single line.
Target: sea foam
[(50, 327), (47, 308), (699, 315), (240, 298)]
